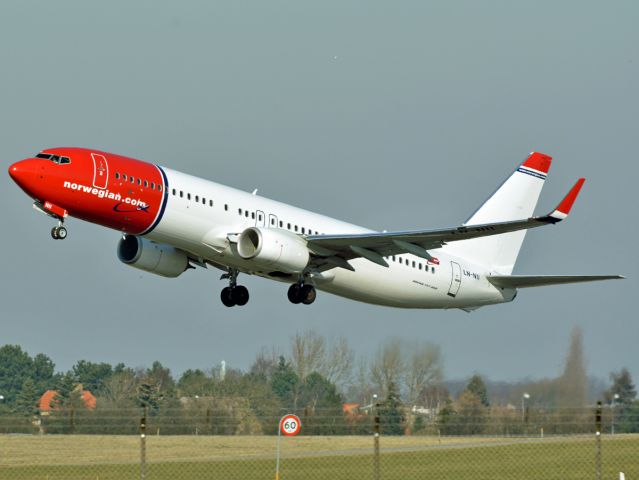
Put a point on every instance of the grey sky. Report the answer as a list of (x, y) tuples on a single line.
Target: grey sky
[(391, 115)]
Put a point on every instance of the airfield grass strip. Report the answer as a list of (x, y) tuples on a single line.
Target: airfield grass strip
[(557, 460)]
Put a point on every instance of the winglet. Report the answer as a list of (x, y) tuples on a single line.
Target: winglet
[(563, 209)]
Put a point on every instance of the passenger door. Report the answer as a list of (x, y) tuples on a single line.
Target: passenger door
[(100, 171)]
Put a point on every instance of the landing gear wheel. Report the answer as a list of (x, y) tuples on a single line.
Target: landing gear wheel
[(308, 294), (59, 233), (240, 295), (227, 297), (294, 293)]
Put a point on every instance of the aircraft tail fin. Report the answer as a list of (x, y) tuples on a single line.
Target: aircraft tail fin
[(515, 199), (525, 281)]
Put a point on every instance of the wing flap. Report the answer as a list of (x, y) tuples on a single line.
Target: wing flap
[(526, 281)]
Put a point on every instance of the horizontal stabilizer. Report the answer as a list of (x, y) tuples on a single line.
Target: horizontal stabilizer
[(525, 281)]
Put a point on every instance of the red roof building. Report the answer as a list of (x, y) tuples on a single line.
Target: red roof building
[(48, 401)]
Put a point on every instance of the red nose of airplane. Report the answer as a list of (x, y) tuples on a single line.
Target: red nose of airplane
[(26, 173)]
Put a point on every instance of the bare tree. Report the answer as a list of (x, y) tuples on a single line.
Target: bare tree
[(387, 366), (360, 388), (265, 362), (308, 353), (338, 366), (423, 369), (120, 387), (573, 381)]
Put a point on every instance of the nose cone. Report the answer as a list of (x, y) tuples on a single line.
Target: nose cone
[(20, 170), (25, 174), (14, 171)]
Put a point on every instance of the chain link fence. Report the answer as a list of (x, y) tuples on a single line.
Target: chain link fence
[(207, 444)]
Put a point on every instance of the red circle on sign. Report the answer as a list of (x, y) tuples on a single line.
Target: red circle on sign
[(290, 425)]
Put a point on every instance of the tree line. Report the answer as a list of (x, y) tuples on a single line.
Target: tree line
[(318, 379)]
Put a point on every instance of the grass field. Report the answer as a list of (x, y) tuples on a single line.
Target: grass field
[(305, 458)]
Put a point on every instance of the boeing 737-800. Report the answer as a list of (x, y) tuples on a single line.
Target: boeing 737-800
[(171, 221)]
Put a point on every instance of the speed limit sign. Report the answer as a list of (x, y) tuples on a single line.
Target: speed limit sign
[(290, 425)]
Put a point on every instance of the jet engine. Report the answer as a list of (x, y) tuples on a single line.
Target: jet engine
[(152, 257), (274, 249)]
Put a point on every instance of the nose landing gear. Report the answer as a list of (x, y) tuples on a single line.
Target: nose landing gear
[(234, 294), (302, 293), (59, 232)]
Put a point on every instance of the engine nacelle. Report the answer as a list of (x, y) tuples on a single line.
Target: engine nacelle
[(152, 257), (274, 249)]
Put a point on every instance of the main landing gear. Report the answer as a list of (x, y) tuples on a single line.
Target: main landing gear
[(234, 294), (302, 293), (59, 232)]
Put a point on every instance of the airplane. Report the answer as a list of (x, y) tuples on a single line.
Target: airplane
[(171, 222)]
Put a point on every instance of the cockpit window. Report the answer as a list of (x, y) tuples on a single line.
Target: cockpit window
[(54, 158)]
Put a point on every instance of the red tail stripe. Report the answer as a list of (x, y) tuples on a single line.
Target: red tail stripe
[(538, 161)]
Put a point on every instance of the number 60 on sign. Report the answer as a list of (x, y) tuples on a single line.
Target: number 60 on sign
[(290, 425)]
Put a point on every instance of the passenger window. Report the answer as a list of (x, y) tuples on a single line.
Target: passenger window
[(181, 194), (210, 203), (188, 196), (203, 201), (239, 211), (253, 215), (246, 213), (420, 266), (159, 187), (272, 221), (303, 230), (146, 183), (117, 176), (173, 192), (296, 228), (288, 226), (432, 269), (413, 264), (197, 198), (124, 177), (132, 179), (259, 217), (281, 224), (226, 207), (153, 185)]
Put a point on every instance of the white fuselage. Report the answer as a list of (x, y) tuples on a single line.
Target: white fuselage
[(191, 223)]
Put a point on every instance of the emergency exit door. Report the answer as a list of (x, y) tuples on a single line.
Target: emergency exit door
[(455, 280)]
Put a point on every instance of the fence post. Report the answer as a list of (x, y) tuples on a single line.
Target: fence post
[(143, 444), (376, 429), (598, 441)]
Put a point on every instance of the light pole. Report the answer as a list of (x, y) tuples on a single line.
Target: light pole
[(615, 397), (524, 397)]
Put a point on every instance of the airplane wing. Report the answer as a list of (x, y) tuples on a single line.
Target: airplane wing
[(336, 250), (525, 281)]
